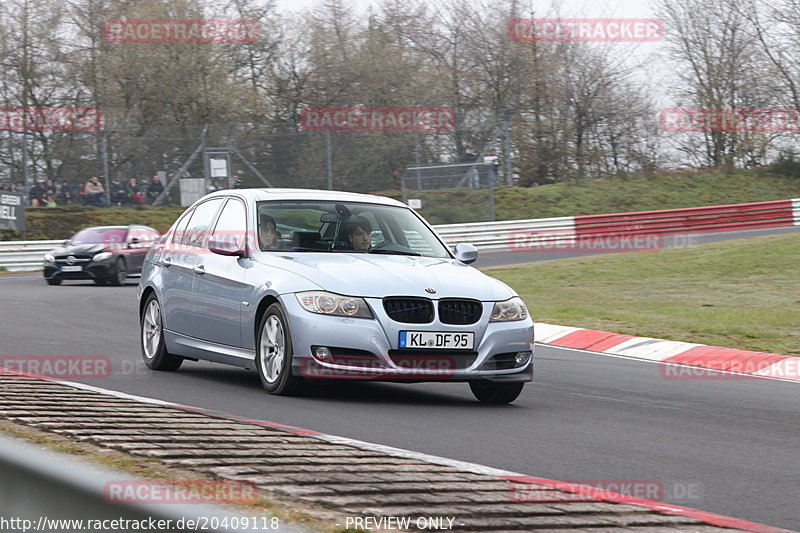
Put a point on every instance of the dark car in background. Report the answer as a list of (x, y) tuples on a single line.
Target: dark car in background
[(104, 254)]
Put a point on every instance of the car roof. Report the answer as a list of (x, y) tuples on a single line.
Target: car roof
[(119, 227), (261, 195)]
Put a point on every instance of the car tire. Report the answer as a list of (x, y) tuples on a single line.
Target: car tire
[(151, 338), (274, 354), (491, 392), (119, 273), (53, 281)]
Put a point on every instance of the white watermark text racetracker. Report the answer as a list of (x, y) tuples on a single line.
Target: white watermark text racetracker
[(424, 523)]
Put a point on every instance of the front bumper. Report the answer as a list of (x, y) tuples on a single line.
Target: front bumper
[(367, 349), (94, 270)]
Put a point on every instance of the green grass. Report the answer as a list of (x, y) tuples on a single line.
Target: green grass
[(610, 195), (595, 196), (62, 222), (738, 294)]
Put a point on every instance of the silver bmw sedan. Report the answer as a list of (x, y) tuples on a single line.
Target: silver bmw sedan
[(305, 285)]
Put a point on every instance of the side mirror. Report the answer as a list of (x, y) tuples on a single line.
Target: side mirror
[(66, 243), (466, 253), (225, 245), (134, 240)]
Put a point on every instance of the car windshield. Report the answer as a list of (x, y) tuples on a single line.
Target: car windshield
[(345, 227), (99, 235)]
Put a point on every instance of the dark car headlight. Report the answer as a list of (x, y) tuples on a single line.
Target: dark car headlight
[(328, 303), (102, 256), (511, 309)]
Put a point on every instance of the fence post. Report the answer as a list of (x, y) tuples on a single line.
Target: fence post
[(507, 147), (329, 159), (104, 158), (416, 160), (491, 200), (25, 175)]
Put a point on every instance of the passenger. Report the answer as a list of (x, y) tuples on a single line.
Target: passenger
[(359, 234), (268, 232)]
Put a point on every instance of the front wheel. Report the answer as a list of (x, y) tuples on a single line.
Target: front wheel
[(490, 392), (119, 273), (154, 351), (274, 354)]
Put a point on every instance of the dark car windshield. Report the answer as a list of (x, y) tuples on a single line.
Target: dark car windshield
[(99, 235), (345, 227)]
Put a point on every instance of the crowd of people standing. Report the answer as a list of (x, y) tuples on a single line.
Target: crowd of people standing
[(51, 193)]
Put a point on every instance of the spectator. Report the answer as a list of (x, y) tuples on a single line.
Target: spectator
[(93, 192), (50, 190), (471, 156), (118, 192), (494, 160), (38, 194), (13, 188), (155, 189), (135, 196), (65, 193)]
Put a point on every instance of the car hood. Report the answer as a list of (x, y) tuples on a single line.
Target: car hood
[(79, 249), (378, 275)]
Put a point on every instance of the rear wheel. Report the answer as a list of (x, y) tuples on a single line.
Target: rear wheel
[(490, 392), (53, 281), (154, 351), (119, 273), (274, 354)]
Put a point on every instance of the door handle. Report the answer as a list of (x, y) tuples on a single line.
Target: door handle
[(199, 269), (166, 262)]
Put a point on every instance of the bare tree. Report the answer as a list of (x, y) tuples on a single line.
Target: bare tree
[(720, 67)]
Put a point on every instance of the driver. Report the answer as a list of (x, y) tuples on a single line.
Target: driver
[(359, 234)]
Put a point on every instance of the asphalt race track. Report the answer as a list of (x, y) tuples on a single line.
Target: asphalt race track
[(727, 446)]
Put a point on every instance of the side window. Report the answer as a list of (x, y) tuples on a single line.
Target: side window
[(180, 228), (232, 223), (199, 226), (146, 237)]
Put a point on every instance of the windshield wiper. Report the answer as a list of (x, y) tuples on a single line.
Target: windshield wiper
[(389, 251)]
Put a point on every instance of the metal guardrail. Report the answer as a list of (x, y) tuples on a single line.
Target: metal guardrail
[(27, 255), (24, 255), (496, 235)]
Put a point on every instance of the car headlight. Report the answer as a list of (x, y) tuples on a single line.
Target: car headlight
[(102, 256), (328, 303), (511, 309), (48, 258)]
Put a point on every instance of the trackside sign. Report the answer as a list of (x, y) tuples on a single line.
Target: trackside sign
[(12, 211)]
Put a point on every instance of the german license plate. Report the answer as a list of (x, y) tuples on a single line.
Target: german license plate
[(73, 268), (437, 339)]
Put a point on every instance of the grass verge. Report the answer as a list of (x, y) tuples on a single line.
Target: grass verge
[(737, 294), (608, 195), (589, 197)]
